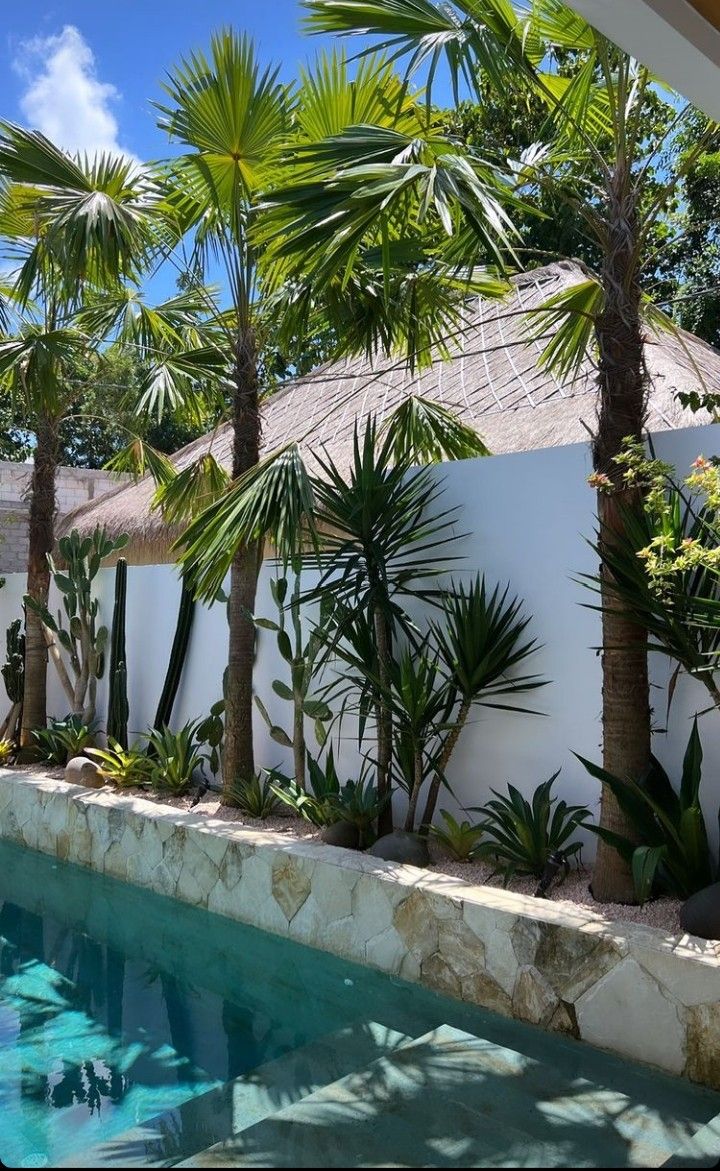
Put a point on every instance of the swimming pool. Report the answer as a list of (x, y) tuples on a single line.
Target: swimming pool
[(137, 1030)]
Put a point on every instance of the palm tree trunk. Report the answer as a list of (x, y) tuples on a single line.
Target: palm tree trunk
[(41, 537), (238, 755), (623, 388)]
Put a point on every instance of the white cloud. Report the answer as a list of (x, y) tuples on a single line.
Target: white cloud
[(64, 97)]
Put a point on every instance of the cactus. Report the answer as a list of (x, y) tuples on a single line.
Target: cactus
[(82, 640), (13, 673), (178, 653), (118, 708), (302, 661)]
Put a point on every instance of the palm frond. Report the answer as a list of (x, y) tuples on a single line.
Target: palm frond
[(424, 432)]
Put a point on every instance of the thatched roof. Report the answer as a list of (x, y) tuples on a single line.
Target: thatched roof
[(492, 381)]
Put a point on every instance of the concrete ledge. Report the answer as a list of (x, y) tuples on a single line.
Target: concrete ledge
[(629, 989)]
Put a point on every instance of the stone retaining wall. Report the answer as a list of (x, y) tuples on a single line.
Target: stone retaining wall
[(621, 987)]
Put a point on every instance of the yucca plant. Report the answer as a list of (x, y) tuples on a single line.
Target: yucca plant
[(123, 767), (63, 739), (671, 851), (256, 797), (460, 839), (519, 835), (481, 639), (175, 757), (7, 752)]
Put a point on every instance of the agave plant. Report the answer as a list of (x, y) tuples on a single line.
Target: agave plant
[(520, 835), (7, 751), (255, 797), (460, 839), (175, 757), (671, 850), (63, 739), (360, 803), (123, 767)]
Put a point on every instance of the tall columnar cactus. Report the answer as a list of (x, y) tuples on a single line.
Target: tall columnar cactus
[(13, 673), (178, 653), (82, 640), (118, 707)]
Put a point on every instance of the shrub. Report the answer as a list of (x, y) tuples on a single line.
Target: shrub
[(460, 839), (319, 806), (7, 751), (255, 797), (123, 767), (673, 853), (63, 739), (359, 803), (522, 834), (174, 757)]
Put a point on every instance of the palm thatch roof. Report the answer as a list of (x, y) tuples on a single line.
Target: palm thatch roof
[(491, 380)]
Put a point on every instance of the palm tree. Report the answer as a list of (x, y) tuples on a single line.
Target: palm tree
[(602, 164), (254, 146), (57, 246), (77, 234)]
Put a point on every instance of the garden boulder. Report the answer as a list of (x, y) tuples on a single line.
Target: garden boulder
[(82, 771), (401, 846), (341, 833), (700, 915)]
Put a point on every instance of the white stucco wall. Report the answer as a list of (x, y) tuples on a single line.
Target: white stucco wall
[(525, 518)]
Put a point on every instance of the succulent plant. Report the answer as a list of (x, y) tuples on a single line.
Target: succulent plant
[(77, 633)]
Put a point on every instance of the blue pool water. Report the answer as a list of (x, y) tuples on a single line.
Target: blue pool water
[(117, 1005)]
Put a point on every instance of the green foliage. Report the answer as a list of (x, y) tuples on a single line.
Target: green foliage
[(13, 669), (460, 839), (317, 804), (359, 803), (301, 656), (673, 853), (82, 640), (63, 739), (118, 707), (210, 732), (519, 835), (7, 752), (422, 431), (123, 767), (178, 654), (255, 797), (175, 757)]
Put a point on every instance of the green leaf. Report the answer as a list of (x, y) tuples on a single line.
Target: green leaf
[(284, 646), (645, 863), (317, 710), (280, 737), (282, 690), (266, 624)]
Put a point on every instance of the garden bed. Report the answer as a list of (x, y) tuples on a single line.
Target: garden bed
[(662, 913)]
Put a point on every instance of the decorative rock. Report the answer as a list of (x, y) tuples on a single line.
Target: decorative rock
[(700, 915), (82, 771), (401, 846), (341, 833)]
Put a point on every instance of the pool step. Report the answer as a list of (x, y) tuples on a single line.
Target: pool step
[(452, 1099), (209, 1118)]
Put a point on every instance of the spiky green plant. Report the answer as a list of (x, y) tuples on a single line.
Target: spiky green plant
[(175, 757), (460, 839), (63, 739), (519, 835), (123, 767), (670, 851), (256, 797)]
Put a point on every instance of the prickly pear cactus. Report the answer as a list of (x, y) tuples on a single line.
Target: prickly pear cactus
[(76, 631)]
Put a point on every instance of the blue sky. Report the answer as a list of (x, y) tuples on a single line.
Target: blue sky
[(85, 72)]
